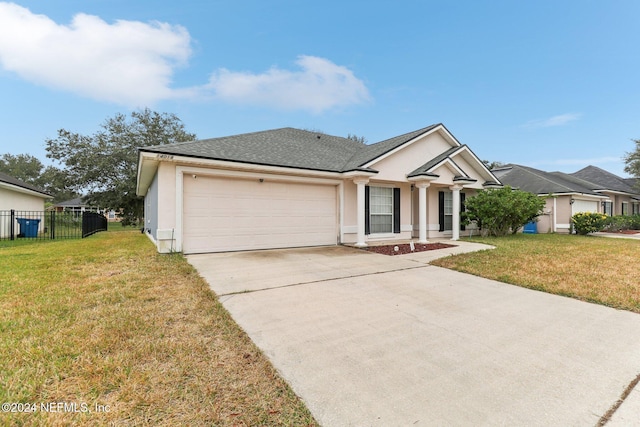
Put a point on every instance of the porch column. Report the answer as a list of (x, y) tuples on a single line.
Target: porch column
[(422, 210), (360, 182), (455, 220)]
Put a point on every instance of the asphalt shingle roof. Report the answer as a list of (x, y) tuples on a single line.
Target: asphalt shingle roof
[(289, 147), (540, 182), (19, 183), (604, 180)]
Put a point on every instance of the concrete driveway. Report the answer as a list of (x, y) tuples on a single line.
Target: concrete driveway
[(372, 340)]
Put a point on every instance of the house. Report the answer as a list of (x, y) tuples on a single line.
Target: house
[(20, 196), (24, 199), (292, 188), (78, 205), (568, 194), (623, 198)]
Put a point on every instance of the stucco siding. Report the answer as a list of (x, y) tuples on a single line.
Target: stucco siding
[(151, 208), (397, 166), (10, 199)]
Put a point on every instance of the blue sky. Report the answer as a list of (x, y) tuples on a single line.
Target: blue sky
[(549, 84)]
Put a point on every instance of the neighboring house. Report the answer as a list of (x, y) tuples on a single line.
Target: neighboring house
[(25, 199), (20, 196), (77, 205), (568, 194), (565, 195), (623, 198), (73, 205), (292, 188)]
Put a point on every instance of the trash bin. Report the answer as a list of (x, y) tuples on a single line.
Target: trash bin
[(531, 228), (28, 227)]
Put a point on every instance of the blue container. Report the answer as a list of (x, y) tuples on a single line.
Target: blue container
[(28, 227), (531, 228)]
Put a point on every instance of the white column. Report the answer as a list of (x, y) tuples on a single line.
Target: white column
[(422, 210), (360, 182), (455, 223)]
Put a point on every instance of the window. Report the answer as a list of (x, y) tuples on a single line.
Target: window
[(381, 209), (608, 208), (448, 211), (625, 208), (635, 208)]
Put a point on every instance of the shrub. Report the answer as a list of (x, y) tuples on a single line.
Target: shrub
[(588, 222), (502, 210), (622, 222)]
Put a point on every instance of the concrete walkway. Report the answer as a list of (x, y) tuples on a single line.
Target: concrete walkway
[(373, 340)]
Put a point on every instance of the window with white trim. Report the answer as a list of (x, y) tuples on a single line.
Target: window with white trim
[(625, 208), (448, 210), (608, 208), (381, 209)]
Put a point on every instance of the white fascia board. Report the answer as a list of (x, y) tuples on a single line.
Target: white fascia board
[(621, 193), (578, 196), (451, 163), (468, 151), (147, 167), (454, 142), (249, 167), (23, 190)]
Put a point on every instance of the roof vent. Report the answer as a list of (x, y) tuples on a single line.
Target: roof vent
[(318, 136)]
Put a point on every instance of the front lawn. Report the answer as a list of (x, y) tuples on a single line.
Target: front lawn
[(596, 269), (105, 331)]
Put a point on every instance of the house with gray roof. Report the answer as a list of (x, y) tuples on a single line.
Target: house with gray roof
[(23, 198), (623, 196), (19, 195), (565, 194), (590, 189), (291, 188)]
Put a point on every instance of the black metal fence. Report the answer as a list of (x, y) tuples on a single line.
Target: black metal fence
[(47, 225)]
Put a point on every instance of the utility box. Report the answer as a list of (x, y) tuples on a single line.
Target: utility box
[(28, 227)]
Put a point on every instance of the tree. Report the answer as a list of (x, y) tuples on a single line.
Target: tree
[(30, 169), (24, 167), (632, 160), (104, 164), (356, 138), (499, 211), (493, 165)]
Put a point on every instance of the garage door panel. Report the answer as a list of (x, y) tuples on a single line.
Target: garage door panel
[(224, 214), (584, 206)]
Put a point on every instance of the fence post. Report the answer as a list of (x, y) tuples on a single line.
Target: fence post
[(13, 225), (53, 224)]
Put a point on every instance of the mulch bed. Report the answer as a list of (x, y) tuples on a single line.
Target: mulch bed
[(405, 248)]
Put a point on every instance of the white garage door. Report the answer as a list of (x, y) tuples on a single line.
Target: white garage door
[(228, 214), (584, 206)]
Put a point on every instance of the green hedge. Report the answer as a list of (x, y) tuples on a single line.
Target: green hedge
[(622, 222)]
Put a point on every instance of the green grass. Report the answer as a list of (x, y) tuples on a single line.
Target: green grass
[(596, 269), (108, 321)]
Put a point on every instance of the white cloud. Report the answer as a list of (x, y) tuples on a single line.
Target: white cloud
[(319, 85), (132, 63), (559, 120), (126, 62)]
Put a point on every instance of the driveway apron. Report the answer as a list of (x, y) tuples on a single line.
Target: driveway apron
[(373, 340)]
